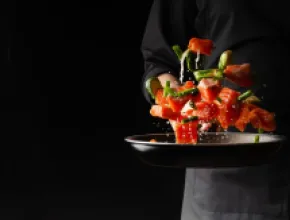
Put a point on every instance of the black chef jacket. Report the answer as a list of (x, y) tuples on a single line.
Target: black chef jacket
[(257, 32)]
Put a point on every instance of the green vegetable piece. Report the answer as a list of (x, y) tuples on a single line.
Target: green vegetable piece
[(167, 90), (260, 130), (190, 61), (189, 119), (257, 138), (245, 95), (209, 73), (219, 74), (152, 85), (178, 51), (225, 59), (167, 84)]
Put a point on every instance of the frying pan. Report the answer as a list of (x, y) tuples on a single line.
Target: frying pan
[(214, 149)]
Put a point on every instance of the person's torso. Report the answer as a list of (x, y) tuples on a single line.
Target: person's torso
[(231, 24), (257, 32)]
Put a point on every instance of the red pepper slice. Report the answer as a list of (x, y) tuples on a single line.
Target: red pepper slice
[(209, 89), (239, 74), (187, 85), (177, 103), (262, 119), (203, 46), (160, 99), (186, 133), (163, 112), (229, 107), (205, 111)]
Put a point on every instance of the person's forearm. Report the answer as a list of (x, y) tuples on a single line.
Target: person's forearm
[(165, 27)]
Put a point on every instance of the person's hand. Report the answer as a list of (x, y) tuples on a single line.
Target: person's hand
[(174, 82)]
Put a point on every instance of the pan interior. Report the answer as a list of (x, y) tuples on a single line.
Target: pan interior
[(228, 138)]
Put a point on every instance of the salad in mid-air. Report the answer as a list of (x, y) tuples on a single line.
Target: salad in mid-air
[(201, 104)]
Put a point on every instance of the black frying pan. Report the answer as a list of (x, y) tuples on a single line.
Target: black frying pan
[(214, 149)]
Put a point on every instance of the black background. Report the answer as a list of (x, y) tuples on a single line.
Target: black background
[(70, 93)]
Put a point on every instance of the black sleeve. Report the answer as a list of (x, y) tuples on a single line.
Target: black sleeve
[(170, 22)]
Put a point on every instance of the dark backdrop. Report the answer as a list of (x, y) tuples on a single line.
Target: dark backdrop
[(70, 93)]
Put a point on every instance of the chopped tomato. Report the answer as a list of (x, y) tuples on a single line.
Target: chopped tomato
[(229, 108), (228, 96), (177, 103), (186, 133), (159, 98), (205, 111), (209, 89), (251, 106), (243, 119), (187, 85), (262, 119), (163, 112), (203, 46), (239, 74)]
